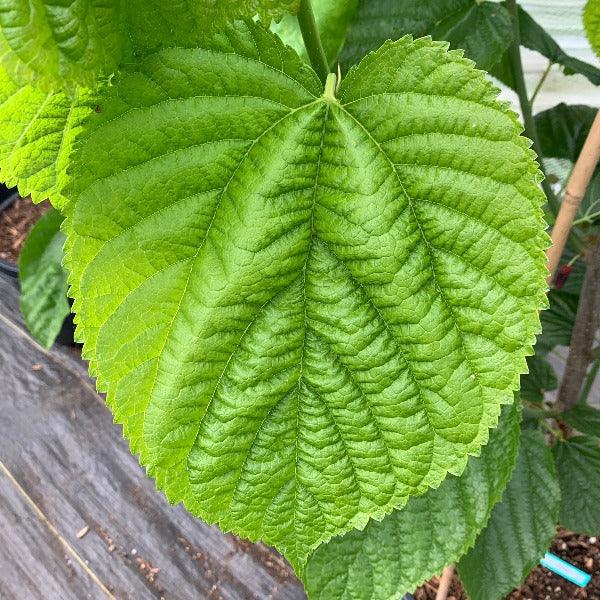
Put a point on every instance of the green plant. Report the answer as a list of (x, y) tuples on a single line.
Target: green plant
[(308, 291), (43, 279)]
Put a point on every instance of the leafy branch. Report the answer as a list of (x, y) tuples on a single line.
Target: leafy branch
[(280, 253), (516, 66)]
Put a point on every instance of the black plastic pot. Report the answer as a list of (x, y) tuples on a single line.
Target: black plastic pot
[(66, 335), (7, 199)]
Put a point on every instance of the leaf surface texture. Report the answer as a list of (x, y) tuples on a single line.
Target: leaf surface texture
[(591, 20), (72, 42), (394, 556), (578, 466)]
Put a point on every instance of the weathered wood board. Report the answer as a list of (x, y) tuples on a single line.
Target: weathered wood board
[(64, 466)]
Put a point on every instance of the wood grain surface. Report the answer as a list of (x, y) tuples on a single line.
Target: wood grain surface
[(64, 467)]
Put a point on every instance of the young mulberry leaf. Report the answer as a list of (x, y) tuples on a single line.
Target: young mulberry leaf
[(37, 132), (521, 527), (43, 279), (395, 555), (305, 309), (578, 466)]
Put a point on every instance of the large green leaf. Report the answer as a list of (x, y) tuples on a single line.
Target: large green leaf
[(43, 280), (307, 309), (62, 41), (578, 465), (535, 37), (394, 556), (583, 418), (333, 18), (591, 20), (521, 527), (540, 379), (37, 131), (482, 29)]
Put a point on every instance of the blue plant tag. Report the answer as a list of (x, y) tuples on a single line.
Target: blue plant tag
[(566, 570)]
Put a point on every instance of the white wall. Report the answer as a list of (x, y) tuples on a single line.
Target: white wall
[(562, 18)]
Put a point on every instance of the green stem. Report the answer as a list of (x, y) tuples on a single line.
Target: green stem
[(519, 80), (312, 40), (541, 82), (589, 382), (587, 219)]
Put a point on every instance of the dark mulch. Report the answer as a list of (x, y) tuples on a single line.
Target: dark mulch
[(542, 584), (15, 223)]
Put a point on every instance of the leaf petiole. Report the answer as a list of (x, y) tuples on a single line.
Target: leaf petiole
[(541, 82), (521, 89), (312, 40)]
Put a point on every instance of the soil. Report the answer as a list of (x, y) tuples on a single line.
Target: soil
[(15, 223), (542, 584)]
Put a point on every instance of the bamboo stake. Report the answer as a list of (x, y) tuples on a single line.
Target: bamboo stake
[(574, 192), (445, 581)]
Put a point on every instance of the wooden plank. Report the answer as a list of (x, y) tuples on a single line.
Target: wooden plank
[(34, 560), (58, 441)]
